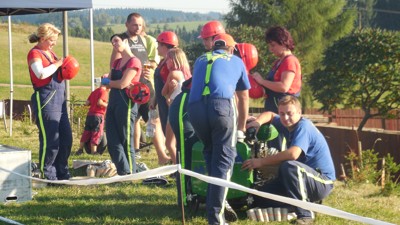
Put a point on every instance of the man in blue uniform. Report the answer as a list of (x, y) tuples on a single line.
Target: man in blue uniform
[(306, 170), (218, 108)]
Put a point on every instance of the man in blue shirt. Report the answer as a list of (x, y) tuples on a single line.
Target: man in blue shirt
[(218, 108), (306, 170)]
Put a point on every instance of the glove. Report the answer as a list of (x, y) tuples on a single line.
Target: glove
[(105, 81), (240, 136)]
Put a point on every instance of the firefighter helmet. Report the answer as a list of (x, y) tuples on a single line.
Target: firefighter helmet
[(211, 28), (69, 68), (138, 93), (168, 37)]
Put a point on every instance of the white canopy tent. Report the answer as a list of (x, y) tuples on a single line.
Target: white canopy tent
[(23, 7)]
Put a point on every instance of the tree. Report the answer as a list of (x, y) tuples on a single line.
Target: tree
[(361, 70), (314, 25)]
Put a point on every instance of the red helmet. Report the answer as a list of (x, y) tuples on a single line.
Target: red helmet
[(211, 28), (256, 90), (138, 93), (249, 55), (69, 68), (168, 37)]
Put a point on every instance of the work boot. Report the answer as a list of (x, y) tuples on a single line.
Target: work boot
[(230, 214)]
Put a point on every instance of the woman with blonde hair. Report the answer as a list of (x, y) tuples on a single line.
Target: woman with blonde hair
[(179, 71), (49, 104)]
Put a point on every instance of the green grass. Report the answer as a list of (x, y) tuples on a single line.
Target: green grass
[(134, 203)]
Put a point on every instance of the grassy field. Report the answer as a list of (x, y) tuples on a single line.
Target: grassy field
[(79, 48), (135, 203)]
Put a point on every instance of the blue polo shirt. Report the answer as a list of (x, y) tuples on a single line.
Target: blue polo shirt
[(311, 141), (228, 74)]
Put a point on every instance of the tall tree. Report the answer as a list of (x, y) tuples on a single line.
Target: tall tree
[(361, 70), (314, 25)]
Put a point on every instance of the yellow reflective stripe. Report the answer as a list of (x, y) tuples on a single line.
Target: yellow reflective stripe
[(48, 100), (182, 143), (316, 178), (301, 184), (284, 147), (128, 137), (210, 61), (43, 131), (300, 172)]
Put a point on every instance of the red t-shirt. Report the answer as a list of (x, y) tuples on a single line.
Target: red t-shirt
[(99, 93), (292, 64), (36, 53), (133, 63)]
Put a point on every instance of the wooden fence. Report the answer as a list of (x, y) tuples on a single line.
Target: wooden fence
[(353, 117), (343, 140)]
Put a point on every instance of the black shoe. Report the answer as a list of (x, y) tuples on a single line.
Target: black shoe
[(79, 152), (230, 214)]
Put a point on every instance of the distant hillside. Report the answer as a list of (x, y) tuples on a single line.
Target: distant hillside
[(102, 17)]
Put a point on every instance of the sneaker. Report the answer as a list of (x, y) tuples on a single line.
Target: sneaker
[(230, 214), (141, 167), (137, 155), (304, 221), (79, 152)]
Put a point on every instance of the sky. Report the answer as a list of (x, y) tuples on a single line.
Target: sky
[(201, 6)]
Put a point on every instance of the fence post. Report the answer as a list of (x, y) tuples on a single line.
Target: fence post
[(383, 174), (360, 154)]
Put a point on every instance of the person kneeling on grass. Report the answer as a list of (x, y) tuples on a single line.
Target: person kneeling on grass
[(94, 125), (306, 170)]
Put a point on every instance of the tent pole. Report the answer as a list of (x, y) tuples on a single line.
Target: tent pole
[(91, 47), (11, 75), (65, 49)]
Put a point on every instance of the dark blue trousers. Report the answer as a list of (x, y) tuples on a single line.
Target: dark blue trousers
[(215, 124), (55, 135), (185, 139), (120, 122), (299, 181)]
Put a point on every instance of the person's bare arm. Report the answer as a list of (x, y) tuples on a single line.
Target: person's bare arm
[(292, 153), (264, 117), (172, 82), (243, 108), (102, 103)]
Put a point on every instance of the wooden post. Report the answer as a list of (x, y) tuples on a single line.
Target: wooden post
[(79, 127), (343, 175), (360, 155), (383, 174)]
